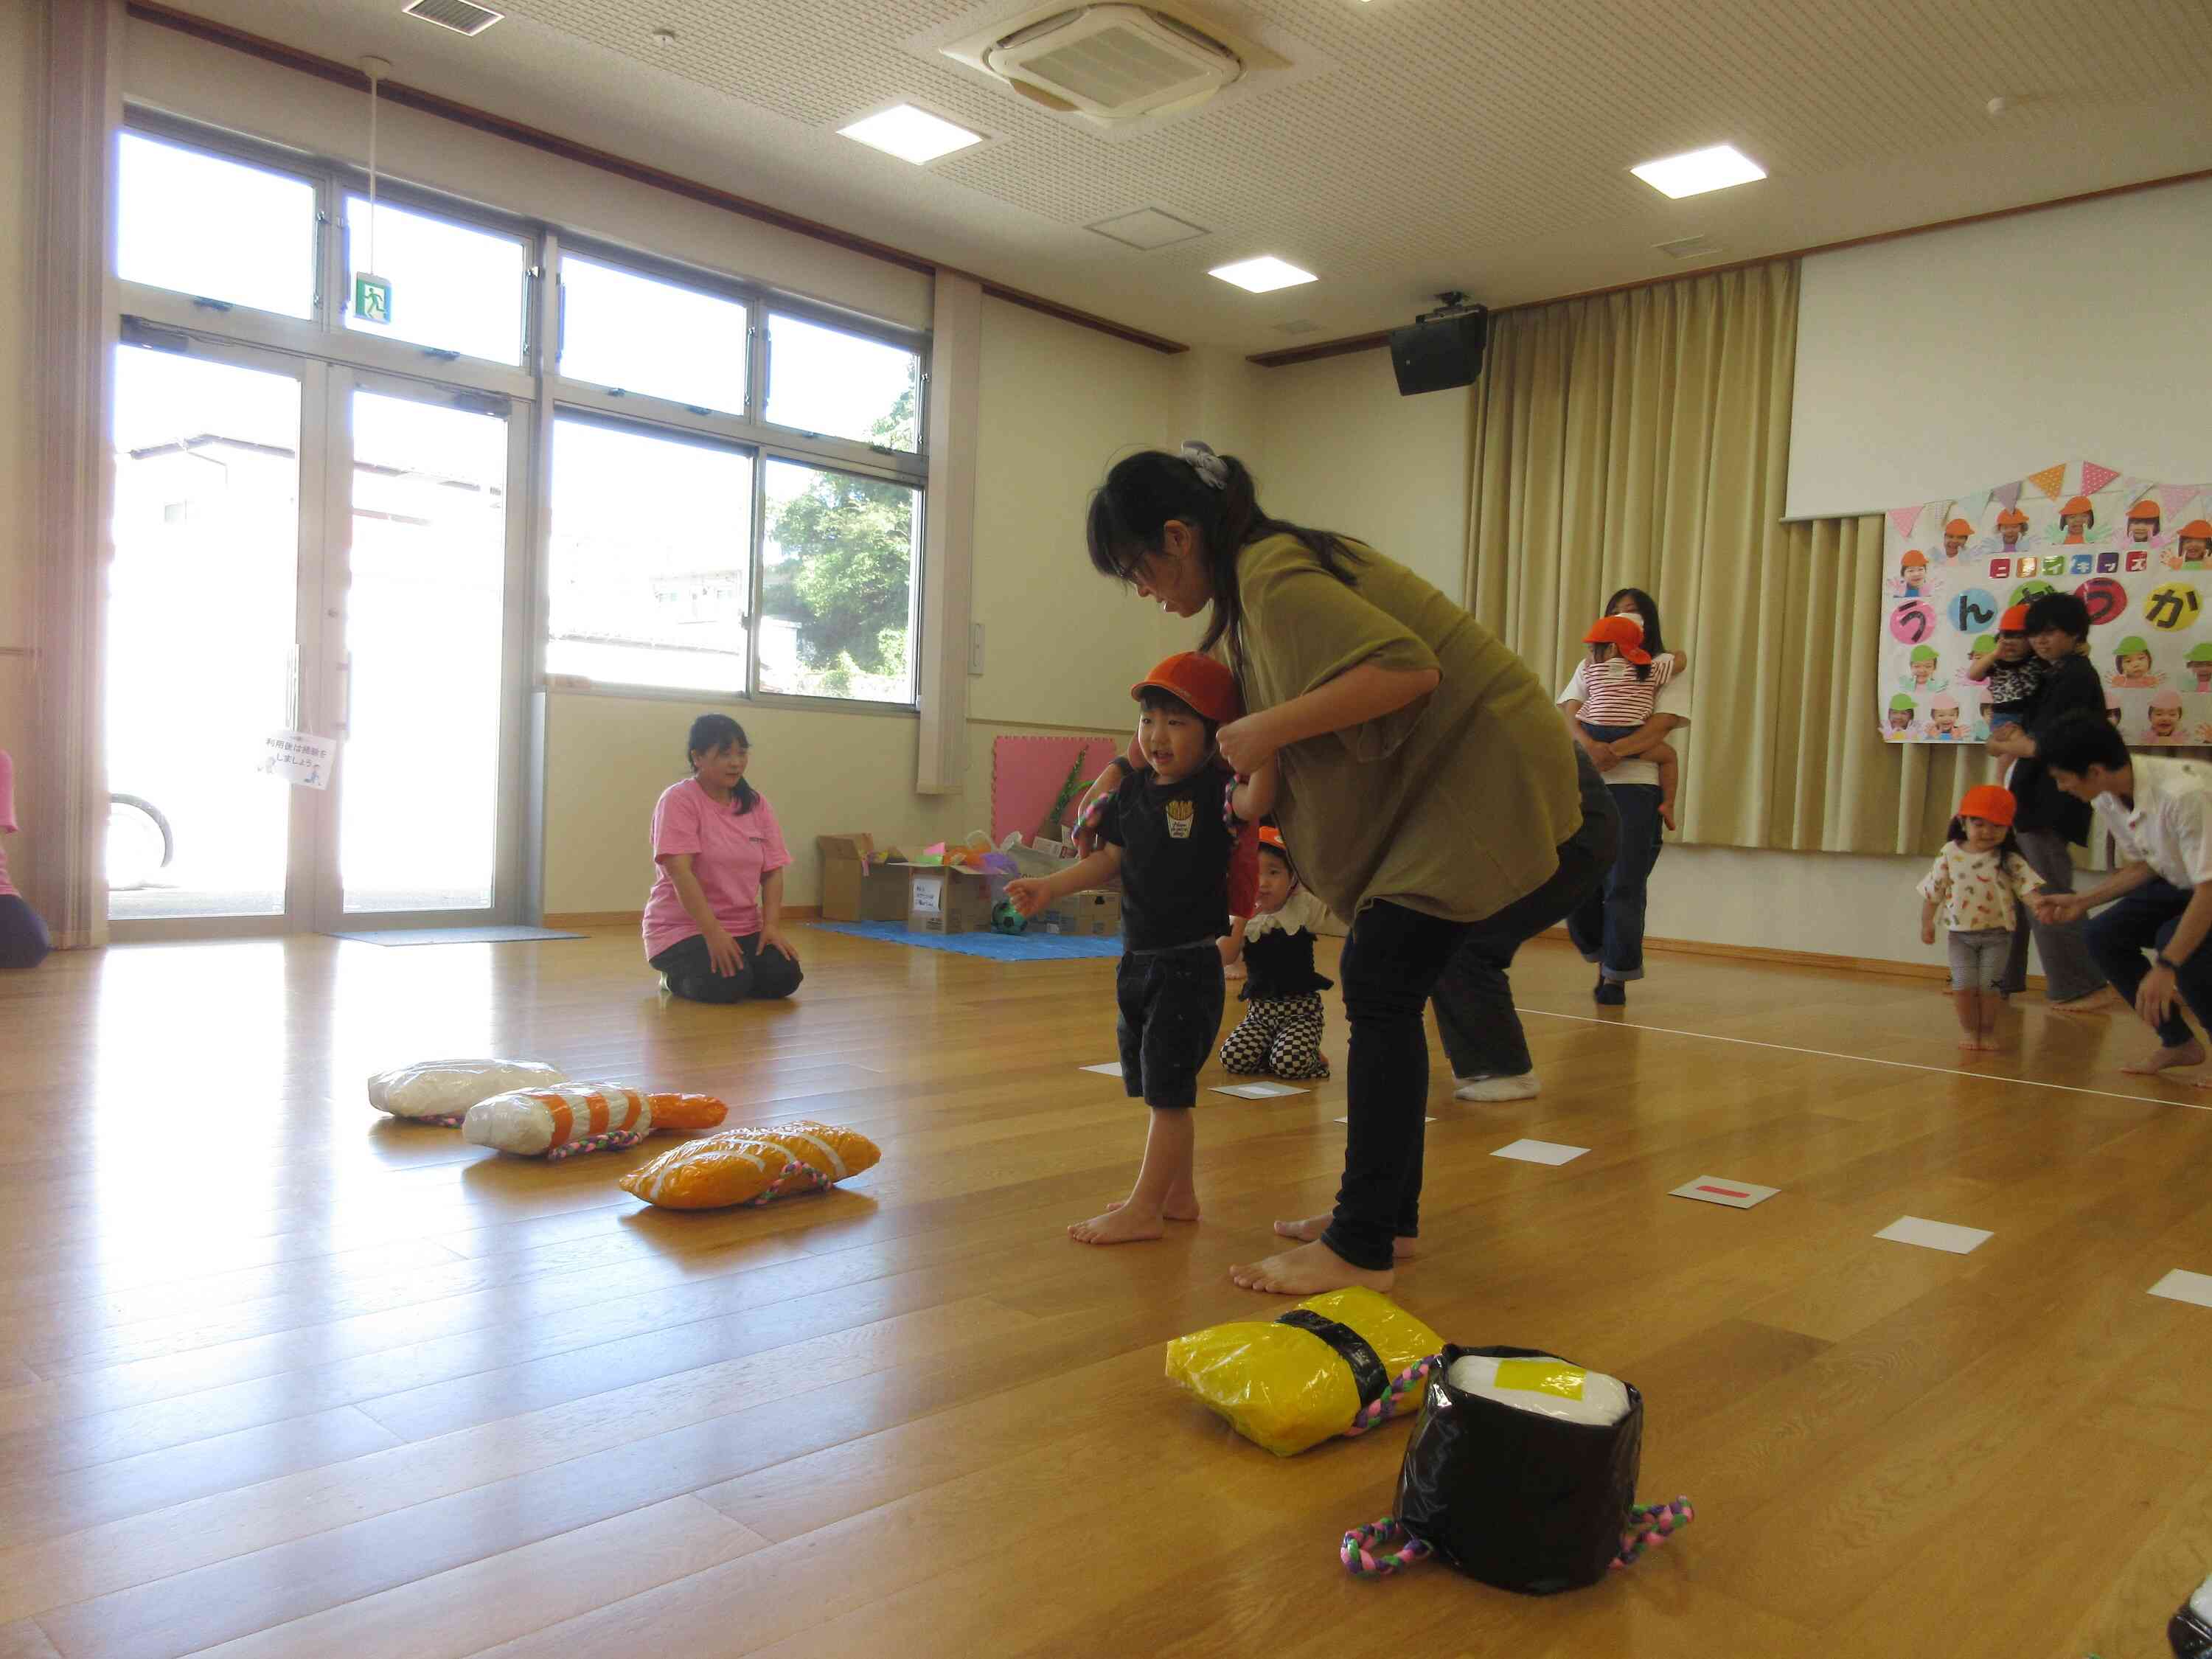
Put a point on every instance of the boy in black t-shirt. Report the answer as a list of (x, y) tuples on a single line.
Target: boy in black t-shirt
[(1165, 832)]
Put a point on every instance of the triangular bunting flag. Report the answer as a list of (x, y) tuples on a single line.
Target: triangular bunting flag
[(2173, 497), (2049, 480), (2006, 496), (2095, 477), (1902, 518)]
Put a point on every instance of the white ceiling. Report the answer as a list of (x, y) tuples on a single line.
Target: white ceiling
[(1482, 144)]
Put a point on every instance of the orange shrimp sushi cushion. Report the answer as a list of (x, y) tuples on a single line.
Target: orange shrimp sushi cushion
[(751, 1166)]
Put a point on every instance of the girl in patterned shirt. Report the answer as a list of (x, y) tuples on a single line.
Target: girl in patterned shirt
[(1977, 878), (1620, 684), (2013, 672), (1280, 1035)]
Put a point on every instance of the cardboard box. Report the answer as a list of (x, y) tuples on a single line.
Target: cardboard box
[(947, 899), (1094, 912), (857, 886)]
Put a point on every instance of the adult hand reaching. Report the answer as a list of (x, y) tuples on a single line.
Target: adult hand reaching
[(1245, 744), (2053, 909)]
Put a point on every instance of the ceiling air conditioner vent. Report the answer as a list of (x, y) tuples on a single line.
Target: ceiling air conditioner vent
[(1112, 63), (458, 16)]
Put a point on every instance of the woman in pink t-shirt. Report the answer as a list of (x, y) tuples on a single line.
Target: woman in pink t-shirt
[(714, 922), (23, 939)]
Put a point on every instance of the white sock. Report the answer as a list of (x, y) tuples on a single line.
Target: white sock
[(1523, 1087)]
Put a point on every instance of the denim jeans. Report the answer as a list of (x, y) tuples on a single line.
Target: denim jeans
[(2120, 934), (1607, 927), (691, 973)]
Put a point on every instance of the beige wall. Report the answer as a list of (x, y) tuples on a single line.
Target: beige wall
[(20, 98)]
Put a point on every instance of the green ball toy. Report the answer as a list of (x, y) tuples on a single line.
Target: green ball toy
[(1004, 919)]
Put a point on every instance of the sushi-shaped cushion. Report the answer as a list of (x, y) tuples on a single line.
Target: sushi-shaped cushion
[(754, 1165)]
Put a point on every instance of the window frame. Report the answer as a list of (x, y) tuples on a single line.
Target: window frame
[(536, 384)]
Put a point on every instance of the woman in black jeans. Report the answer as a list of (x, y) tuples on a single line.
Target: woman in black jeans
[(2058, 630), (1427, 791)]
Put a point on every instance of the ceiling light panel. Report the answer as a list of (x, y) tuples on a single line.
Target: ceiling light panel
[(1263, 275), (911, 134), (1700, 171)]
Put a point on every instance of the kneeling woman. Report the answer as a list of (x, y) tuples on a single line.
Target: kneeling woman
[(714, 923)]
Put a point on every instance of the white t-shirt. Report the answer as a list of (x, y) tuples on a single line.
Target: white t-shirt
[(2170, 826), (1673, 699)]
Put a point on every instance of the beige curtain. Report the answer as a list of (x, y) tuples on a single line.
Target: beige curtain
[(1641, 440), (62, 783)]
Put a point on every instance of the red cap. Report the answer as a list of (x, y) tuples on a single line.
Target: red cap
[(2014, 621), (2012, 518), (1206, 684), (2196, 530), (1271, 836), (1990, 801), (2077, 504), (2145, 508), (1623, 634), (1958, 527), (1913, 556)]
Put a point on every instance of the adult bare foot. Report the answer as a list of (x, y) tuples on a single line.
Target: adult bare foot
[(1314, 1226), (2189, 1054), (1182, 1204), (1308, 1271), (1125, 1224), (1978, 1046), (2102, 1000)]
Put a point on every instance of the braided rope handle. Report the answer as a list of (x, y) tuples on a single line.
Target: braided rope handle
[(612, 1139), (796, 1179), (444, 1120), (1406, 1386), (1650, 1525), (1363, 1560)]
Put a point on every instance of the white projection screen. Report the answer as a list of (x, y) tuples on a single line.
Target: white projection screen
[(1940, 364)]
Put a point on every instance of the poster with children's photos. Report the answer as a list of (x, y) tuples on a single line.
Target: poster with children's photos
[(2138, 554)]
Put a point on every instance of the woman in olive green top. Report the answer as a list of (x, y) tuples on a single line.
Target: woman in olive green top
[(1428, 791)]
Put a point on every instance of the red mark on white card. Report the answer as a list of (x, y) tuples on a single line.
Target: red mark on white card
[(1725, 1192)]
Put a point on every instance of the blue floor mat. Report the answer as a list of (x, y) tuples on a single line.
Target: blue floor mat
[(995, 947)]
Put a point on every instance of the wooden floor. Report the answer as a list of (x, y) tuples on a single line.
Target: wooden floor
[(280, 1377)]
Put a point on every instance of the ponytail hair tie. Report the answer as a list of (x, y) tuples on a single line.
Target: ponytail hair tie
[(1213, 471)]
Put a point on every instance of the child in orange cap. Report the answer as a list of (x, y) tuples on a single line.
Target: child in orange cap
[(1621, 681), (1979, 878), (2013, 670), (1166, 834), (1280, 1035)]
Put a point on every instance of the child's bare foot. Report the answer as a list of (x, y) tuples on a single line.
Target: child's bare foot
[(1126, 1223), (1314, 1226), (2189, 1054), (1182, 1204), (1978, 1045), (1308, 1271)]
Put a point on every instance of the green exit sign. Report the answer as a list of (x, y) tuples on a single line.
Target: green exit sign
[(371, 298)]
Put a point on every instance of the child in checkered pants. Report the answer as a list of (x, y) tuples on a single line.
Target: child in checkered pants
[(1280, 1035)]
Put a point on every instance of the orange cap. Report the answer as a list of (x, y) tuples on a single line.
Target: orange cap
[(2078, 504), (1913, 556), (1958, 527), (2012, 518), (1206, 684), (1623, 634), (2144, 509), (2014, 621), (1990, 801), (2197, 529)]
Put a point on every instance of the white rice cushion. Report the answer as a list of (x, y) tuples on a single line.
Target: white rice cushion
[(533, 1121), (448, 1088), (1551, 1388)]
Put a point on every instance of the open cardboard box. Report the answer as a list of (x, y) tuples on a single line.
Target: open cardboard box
[(856, 885)]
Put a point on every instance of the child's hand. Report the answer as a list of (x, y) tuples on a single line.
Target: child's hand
[(1027, 895), (1927, 935)]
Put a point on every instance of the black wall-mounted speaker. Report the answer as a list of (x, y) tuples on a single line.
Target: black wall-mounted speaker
[(1433, 356)]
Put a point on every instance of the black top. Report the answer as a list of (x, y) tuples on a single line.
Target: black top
[(2071, 686), (1280, 963), (1175, 857)]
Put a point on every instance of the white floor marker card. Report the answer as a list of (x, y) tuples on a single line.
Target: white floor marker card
[(1347, 1120), (1934, 1234), (1716, 1189), (1111, 1068), (1539, 1151), (1258, 1090), (2182, 1285)]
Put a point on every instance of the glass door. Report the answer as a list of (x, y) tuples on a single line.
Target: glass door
[(205, 598), (421, 827)]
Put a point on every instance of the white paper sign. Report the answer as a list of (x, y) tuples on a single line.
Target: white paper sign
[(1109, 1068), (2182, 1285), (929, 895), (1257, 1091), (1539, 1151), (1717, 1189), (298, 757), (1934, 1234)]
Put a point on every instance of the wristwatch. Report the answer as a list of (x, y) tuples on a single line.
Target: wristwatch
[(2167, 962)]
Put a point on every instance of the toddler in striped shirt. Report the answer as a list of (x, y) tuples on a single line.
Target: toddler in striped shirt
[(1622, 680)]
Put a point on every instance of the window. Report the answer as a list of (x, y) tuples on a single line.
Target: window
[(636, 333), (843, 385), (649, 558), (215, 228), (837, 567), (454, 288)]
